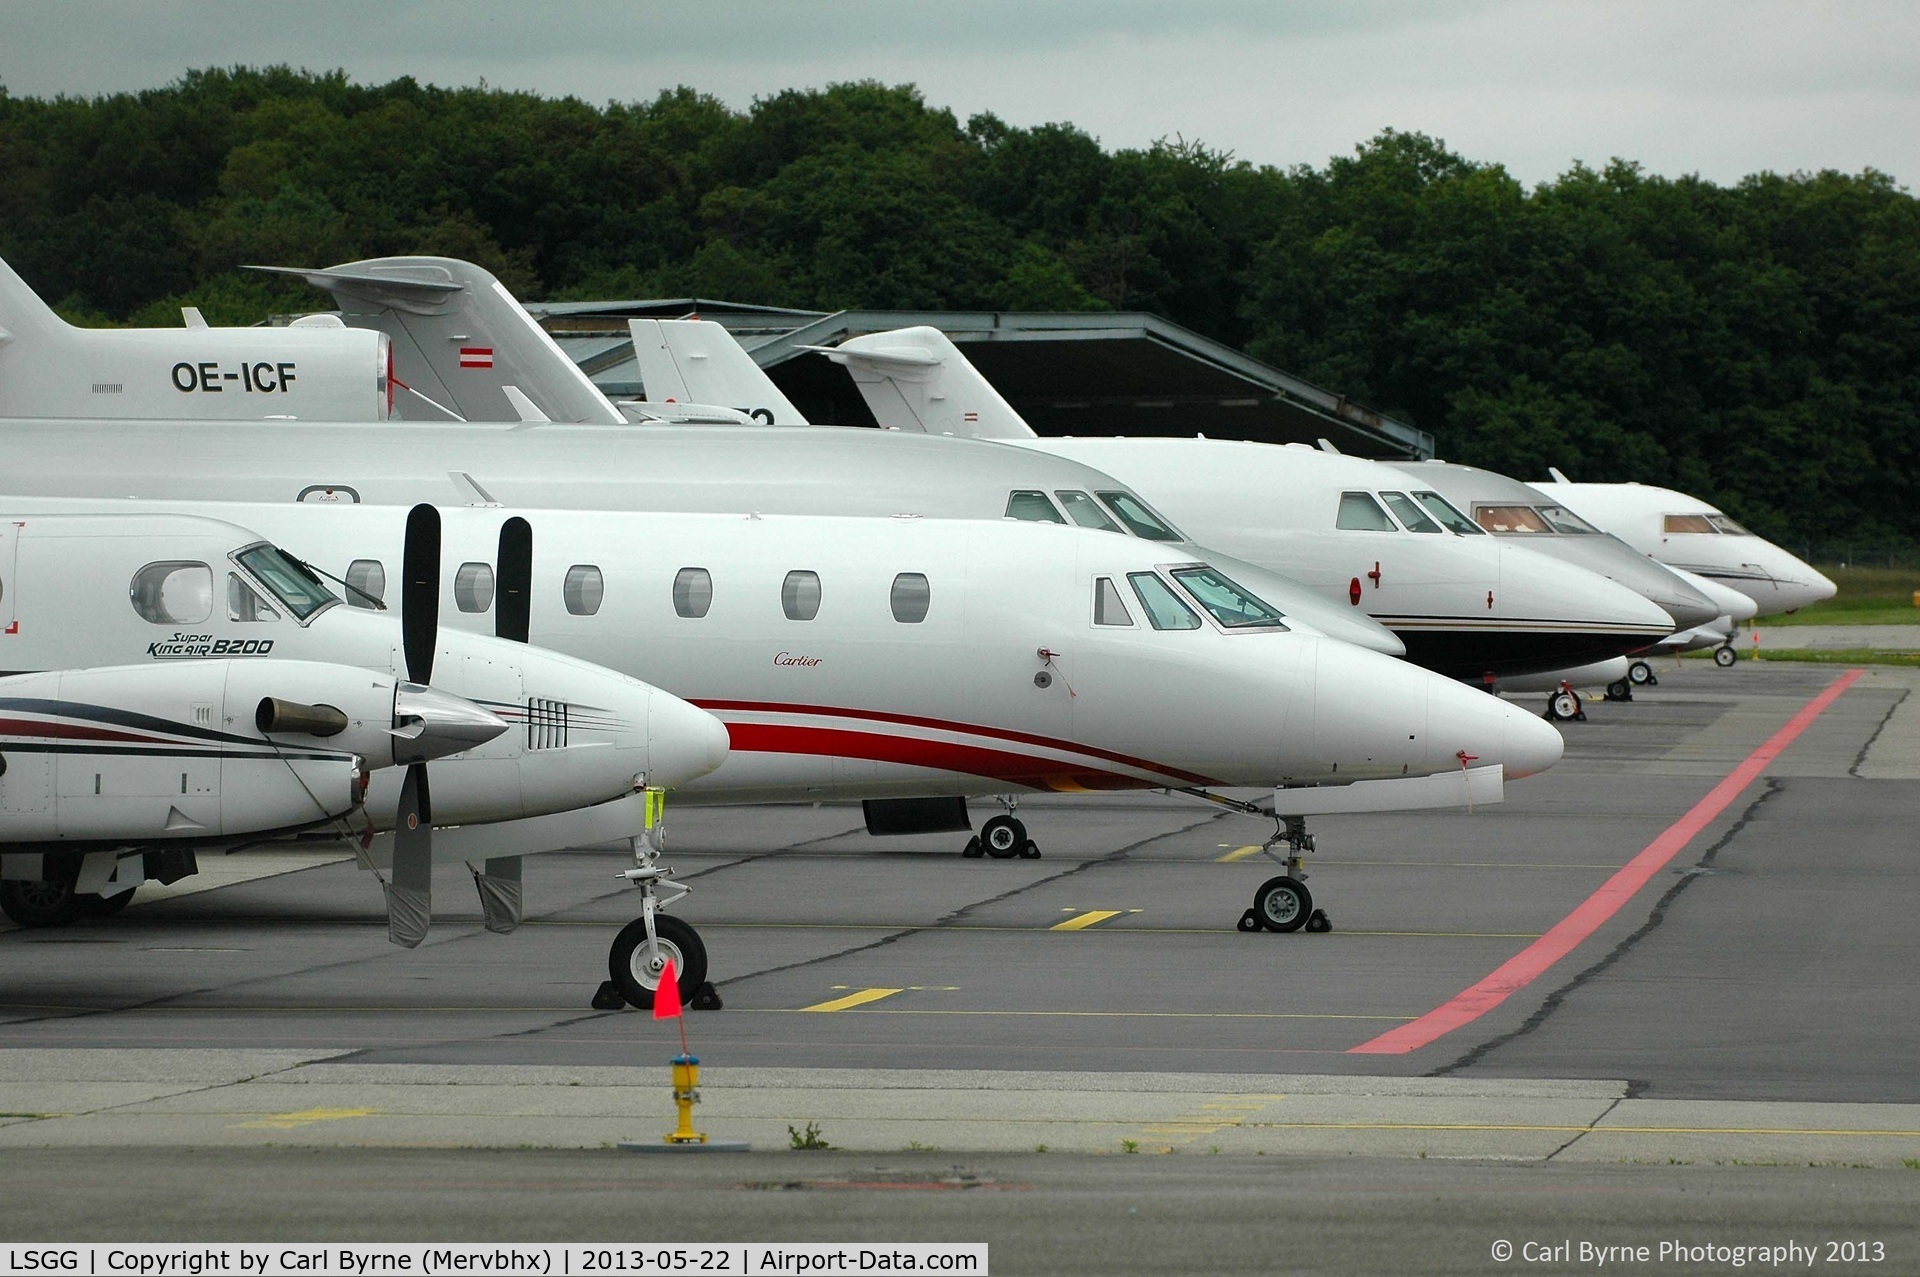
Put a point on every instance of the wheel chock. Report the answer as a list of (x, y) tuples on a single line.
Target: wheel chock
[(1317, 921), (1249, 921), (1029, 850), (608, 998), (706, 998)]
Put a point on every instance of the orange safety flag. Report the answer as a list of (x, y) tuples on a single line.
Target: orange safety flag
[(666, 998)]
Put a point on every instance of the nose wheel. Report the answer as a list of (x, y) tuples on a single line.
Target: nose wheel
[(1640, 673), (1282, 903), (1003, 838), (637, 960), (1725, 656)]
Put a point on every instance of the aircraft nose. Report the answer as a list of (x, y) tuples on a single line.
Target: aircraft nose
[(684, 743), (1618, 619), (1688, 607), (1465, 720)]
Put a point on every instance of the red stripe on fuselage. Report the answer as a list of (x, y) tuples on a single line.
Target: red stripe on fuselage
[(940, 724), (80, 731), (972, 760)]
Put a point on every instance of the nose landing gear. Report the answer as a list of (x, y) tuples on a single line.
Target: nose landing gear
[(638, 957), (1282, 903)]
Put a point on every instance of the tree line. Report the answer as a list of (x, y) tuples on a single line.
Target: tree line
[(1756, 344)]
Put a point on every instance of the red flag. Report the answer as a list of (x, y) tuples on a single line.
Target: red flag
[(666, 998)]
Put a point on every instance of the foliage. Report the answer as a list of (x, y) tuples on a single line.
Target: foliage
[(1757, 345)]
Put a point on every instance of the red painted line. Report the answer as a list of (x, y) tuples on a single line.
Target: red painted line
[(1531, 962)]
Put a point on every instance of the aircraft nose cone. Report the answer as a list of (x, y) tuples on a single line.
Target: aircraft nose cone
[(685, 742), (1529, 743), (1462, 719)]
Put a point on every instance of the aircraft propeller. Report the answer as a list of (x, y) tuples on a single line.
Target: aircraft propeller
[(410, 892)]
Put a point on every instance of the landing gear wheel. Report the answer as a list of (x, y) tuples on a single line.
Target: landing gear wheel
[(1724, 657), (40, 904), (1248, 922), (635, 969), (1640, 674), (973, 850), (1003, 836), (1621, 690), (1318, 922), (1029, 850), (1282, 904), (103, 906), (1563, 705)]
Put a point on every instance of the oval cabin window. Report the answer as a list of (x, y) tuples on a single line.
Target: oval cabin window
[(584, 588), (911, 598), (473, 587), (173, 592), (800, 595), (692, 592)]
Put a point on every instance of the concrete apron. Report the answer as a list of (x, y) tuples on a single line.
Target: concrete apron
[(196, 1098)]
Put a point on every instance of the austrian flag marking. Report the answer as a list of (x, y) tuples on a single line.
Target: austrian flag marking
[(476, 356)]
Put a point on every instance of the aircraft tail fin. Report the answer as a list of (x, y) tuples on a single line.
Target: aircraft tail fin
[(23, 315), (917, 379), (695, 361), (460, 339)]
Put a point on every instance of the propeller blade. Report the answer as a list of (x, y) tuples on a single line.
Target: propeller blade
[(410, 892), (420, 592), (513, 606)]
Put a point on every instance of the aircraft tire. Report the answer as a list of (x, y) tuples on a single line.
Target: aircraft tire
[(1621, 690), (39, 904), (1724, 657), (1563, 705), (628, 968), (1640, 674), (1003, 836), (1282, 904)]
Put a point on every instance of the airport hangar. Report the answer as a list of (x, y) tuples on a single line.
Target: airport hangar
[(1094, 373)]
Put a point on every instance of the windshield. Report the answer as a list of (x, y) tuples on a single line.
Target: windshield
[(1409, 513), (1032, 507), (1448, 514), (1164, 609), (1565, 520), (1140, 518), (1511, 518), (1232, 606), (1086, 512), (298, 590), (1727, 525), (1359, 512), (1687, 523)]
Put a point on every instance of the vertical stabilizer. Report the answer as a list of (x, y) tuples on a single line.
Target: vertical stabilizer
[(917, 379), (459, 340), (694, 361)]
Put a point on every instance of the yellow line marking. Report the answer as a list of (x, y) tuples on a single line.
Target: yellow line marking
[(852, 999), (304, 1117), (1240, 853), (1085, 920)]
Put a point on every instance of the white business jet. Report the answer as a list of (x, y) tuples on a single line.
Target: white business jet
[(904, 660), (317, 368), (1685, 532), (178, 683)]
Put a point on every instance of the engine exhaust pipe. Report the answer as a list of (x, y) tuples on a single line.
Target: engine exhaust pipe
[(277, 716)]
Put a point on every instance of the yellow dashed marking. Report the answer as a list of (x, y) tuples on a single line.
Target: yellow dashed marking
[(1085, 920), (861, 998), (1239, 853), (304, 1117)]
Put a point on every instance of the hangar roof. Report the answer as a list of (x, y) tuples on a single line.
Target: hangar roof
[(1098, 373)]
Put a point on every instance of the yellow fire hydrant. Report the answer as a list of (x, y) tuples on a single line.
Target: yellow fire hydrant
[(686, 1094)]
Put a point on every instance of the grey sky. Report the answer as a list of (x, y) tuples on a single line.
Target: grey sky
[(1716, 87)]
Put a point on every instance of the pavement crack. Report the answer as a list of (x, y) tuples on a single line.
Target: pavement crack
[(1600, 1117), (1658, 915), (1860, 759)]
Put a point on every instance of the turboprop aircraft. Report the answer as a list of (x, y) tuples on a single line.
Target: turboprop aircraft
[(913, 663), (316, 368), (1685, 532), (178, 657), (1465, 606)]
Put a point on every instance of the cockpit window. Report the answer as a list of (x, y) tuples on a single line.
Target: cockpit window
[(1511, 519), (1032, 507), (1141, 519), (1108, 607), (1449, 515), (244, 602), (1410, 514), (299, 591), (1687, 523), (1565, 520), (1359, 512), (1232, 606), (1164, 609), (1086, 512), (1727, 525)]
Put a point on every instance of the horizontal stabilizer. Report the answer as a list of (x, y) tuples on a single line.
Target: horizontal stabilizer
[(383, 287), (917, 379), (528, 410), (1469, 787)]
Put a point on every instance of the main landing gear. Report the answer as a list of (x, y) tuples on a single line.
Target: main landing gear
[(639, 955), (1641, 674), (1725, 656), (1003, 837)]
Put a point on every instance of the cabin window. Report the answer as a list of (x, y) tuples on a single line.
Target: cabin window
[(367, 583), (1448, 515), (1359, 512), (1686, 523), (473, 587), (1511, 519), (1728, 526), (692, 592), (173, 592), (1108, 607), (1086, 512), (800, 595), (1231, 605), (1032, 507), (244, 602), (1410, 515), (910, 598), (1561, 519), (584, 587), (1141, 519), (1164, 609)]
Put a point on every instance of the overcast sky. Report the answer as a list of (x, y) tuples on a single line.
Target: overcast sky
[(1715, 87)]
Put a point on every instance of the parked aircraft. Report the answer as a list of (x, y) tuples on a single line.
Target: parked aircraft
[(919, 659), (1685, 532), (318, 368), (176, 660)]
